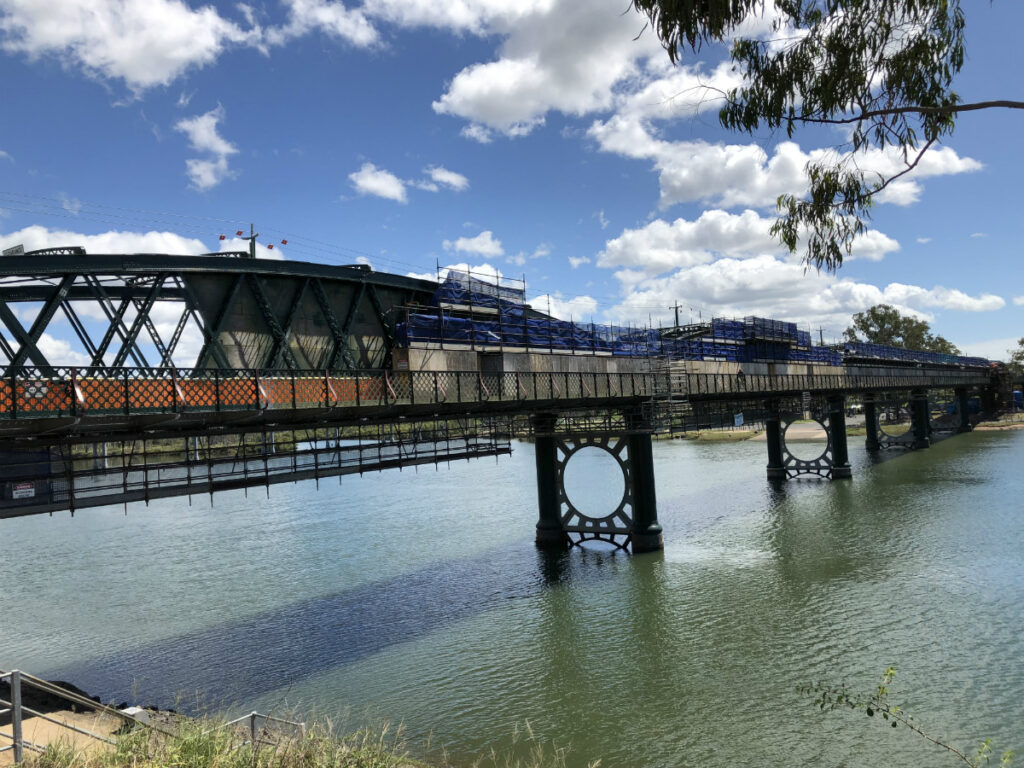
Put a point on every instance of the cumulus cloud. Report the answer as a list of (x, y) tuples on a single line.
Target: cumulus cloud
[(1018, 301), (484, 244), (371, 180), (731, 175), (331, 18), (543, 66), (660, 246), (580, 308), (206, 173), (444, 177), (576, 261), (770, 287), (144, 43), (37, 237)]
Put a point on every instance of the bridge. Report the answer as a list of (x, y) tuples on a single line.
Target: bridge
[(197, 374)]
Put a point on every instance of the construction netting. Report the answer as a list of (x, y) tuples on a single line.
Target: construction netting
[(863, 350)]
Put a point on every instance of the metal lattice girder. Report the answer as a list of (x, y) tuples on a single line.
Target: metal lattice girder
[(342, 348), (116, 319), (235, 331), (141, 318), (280, 345), (339, 338), (31, 339)]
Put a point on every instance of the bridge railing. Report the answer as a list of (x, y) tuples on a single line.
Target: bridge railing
[(29, 394), (731, 385)]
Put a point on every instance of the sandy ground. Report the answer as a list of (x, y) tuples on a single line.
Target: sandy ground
[(42, 732)]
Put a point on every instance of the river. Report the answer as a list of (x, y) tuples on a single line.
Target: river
[(418, 596)]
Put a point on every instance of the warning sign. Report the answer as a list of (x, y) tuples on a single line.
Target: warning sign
[(23, 490)]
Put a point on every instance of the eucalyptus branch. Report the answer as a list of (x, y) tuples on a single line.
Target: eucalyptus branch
[(952, 109)]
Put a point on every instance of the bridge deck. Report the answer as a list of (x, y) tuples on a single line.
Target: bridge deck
[(115, 404)]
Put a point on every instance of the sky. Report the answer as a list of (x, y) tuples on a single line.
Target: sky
[(545, 140)]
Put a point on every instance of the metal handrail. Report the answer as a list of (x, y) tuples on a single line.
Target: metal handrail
[(17, 709)]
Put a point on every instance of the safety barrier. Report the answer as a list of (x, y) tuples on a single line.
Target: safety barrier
[(132, 391)]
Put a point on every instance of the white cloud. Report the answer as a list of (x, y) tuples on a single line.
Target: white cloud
[(924, 240), (70, 204), (484, 244), (478, 17), (993, 349), (602, 220), (769, 287), (576, 261), (145, 43), (5, 156), (450, 179), (579, 308), (544, 64), (1018, 301), (371, 180), (979, 234), (731, 175), (60, 352), (331, 18), (37, 237), (660, 246), (202, 134), (477, 133)]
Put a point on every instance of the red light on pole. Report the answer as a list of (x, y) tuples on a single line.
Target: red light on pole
[(223, 237)]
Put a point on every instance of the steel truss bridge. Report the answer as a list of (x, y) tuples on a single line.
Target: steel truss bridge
[(295, 373)]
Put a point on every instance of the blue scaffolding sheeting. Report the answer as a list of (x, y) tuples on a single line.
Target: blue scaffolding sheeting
[(862, 350)]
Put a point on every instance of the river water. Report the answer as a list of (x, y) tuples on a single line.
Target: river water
[(418, 596)]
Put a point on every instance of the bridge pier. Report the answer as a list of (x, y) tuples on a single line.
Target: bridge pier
[(871, 423), (773, 434), (920, 419), (647, 531), (550, 534), (963, 406), (837, 436), (632, 523), (834, 461)]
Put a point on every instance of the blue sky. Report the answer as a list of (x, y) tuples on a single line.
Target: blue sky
[(541, 138)]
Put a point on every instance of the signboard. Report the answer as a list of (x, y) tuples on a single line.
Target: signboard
[(23, 490), (18, 250), (737, 419)]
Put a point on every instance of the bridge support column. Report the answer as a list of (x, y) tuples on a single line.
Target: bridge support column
[(920, 419), (837, 434), (871, 423), (773, 433), (963, 406), (550, 534), (647, 531)]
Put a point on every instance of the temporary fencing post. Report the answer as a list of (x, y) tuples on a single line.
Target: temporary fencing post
[(16, 716)]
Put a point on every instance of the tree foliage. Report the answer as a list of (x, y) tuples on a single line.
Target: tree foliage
[(884, 68), (1016, 362), (883, 324), (829, 698)]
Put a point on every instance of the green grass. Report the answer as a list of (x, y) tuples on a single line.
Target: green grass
[(202, 744)]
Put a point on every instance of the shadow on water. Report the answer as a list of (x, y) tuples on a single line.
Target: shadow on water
[(268, 650)]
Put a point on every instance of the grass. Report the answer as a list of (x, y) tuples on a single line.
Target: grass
[(203, 744)]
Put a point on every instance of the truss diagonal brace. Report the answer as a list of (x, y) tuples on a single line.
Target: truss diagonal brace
[(28, 343), (141, 318), (256, 286)]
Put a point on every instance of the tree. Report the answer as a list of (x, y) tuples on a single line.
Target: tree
[(1016, 362), (883, 324), (884, 68)]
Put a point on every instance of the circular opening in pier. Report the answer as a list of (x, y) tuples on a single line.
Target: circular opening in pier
[(894, 418), (594, 482), (806, 439)]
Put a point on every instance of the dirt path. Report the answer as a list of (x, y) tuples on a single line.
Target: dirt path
[(42, 732)]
